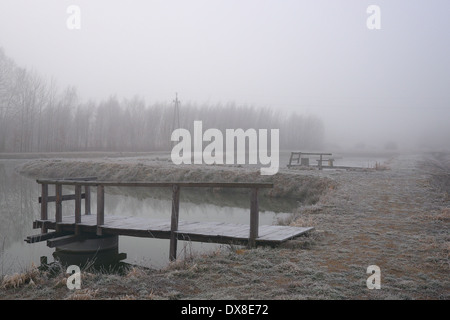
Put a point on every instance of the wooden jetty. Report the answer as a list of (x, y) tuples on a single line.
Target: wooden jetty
[(297, 157), (68, 229)]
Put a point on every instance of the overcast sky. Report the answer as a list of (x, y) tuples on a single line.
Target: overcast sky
[(314, 57)]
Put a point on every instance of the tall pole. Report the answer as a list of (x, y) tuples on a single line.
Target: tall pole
[(176, 115)]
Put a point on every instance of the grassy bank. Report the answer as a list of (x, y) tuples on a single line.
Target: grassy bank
[(299, 185)]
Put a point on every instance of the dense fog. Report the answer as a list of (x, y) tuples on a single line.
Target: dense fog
[(38, 117), (331, 75)]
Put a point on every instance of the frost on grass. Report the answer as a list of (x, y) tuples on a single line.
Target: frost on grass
[(16, 280), (304, 187)]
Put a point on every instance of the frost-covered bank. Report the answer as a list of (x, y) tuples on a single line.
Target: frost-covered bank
[(303, 186)]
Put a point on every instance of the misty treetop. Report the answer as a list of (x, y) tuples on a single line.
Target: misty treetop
[(35, 116)]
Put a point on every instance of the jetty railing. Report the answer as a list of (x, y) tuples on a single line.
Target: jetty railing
[(296, 156), (89, 182)]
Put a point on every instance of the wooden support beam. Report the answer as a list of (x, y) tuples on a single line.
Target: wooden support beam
[(41, 237), (254, 217), (49, 224), (160, 184), (77, 208), (44, 206), (63, 198), (81, 179), (60, 241), (174, 222), (87, 200), (58, 205), (100, 208)]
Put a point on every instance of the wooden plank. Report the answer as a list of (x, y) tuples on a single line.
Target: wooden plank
[(219, 232), (151, 227), (100, 208), (137, 233), (254, 217), (59, 241), (160, 184), (212, 238), (77, 208), (174, 222), (86, 220), (231, 230), (58, 204), (87, 200), (240, 232), (267, 231), (135, 224), (77, 204), (65, 197), (44, 205), (290, 159), (283, 234), (316, 153), (159, 226), (216, 232), (82, 178), (201, 228), (38, 224), (41, 237), (213, 231)]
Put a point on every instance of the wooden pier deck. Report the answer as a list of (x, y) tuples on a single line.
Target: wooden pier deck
[(217, 232), (68, 229)]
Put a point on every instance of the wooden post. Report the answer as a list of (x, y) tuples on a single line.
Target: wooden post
[(254, 218), (320, 162), (174, 222), (87, 200), (44, 206), (77, 208), (58, 206), (100, 208)]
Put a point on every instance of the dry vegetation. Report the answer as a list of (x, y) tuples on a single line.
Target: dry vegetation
[(303, 187), (396, 218)]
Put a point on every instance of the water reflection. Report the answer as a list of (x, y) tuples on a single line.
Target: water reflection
[(18, 209)]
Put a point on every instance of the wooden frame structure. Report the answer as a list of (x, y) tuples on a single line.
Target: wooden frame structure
[(58, 237)]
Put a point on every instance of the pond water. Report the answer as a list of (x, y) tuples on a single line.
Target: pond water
[(19, 207)]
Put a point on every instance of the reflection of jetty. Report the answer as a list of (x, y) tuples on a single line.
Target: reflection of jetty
[(78, 227)]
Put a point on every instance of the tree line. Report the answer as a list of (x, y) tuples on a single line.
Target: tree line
[(36, 116)]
